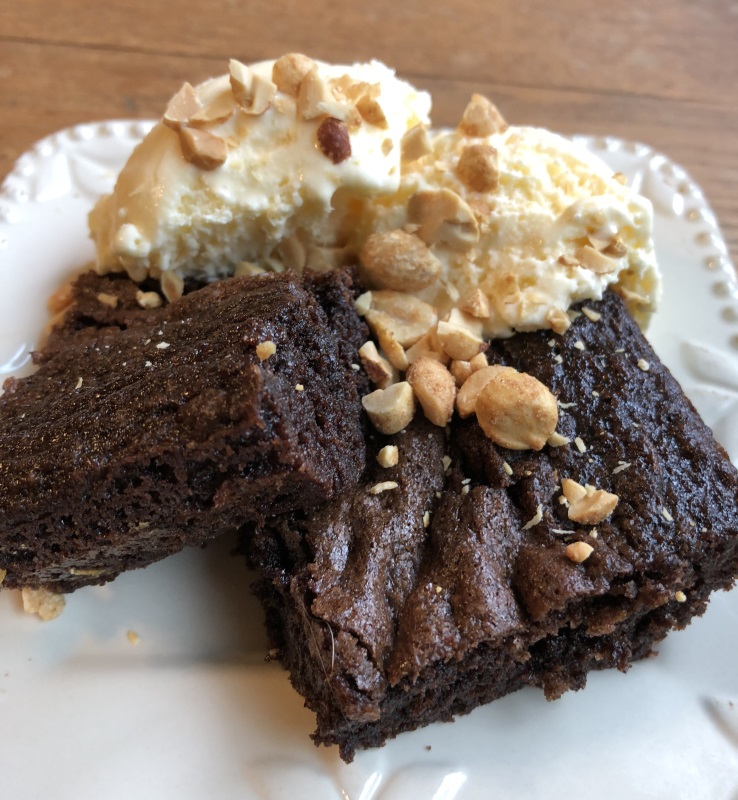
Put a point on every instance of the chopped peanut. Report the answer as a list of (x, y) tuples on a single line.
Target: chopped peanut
[(289, 71), (475, 304), (415, 143), (391, 409), (181, 107), (460, 336), (461, 370), (203, 149), (435, 389), (481, 118), (516, 410), (442, 216), (400, 261), (588, 505), (388, 456), (253, 93), (466, 400), (578, 551), (379, 370), (477, 168)]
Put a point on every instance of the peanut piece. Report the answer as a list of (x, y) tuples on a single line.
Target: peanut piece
[(616, 249), (593, 260), (426, 346), (202, 148), (215, 112), (265, 349), (466, 399), (475, 304), (388, 456), (434, 388), (572, 490), (578, 551), (461, 370), (478, 362), (181, 107), (516, 410), (172, 286), (312, 93), (384, 328), (558, 320), (442, 216), (253, 93), (481, 118), (392, 409), (400, 261), (460, 336), (363, 303), (408, 317), (372, 112), (148, 299), (588, 505), (110, 300), (325, 259), (45, 604), (289, 71), (379, 370), (415, 143), (477, 168)]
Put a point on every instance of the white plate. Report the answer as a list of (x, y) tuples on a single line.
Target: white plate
[(194, 711)]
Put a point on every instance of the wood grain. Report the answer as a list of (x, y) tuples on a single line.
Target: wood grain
[(662, 72)]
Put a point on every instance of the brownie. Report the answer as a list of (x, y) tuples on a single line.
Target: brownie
[(397, 609), (145, 430)]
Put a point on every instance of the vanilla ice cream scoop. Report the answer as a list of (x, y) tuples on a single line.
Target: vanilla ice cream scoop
[(520, 221), (265, 165)]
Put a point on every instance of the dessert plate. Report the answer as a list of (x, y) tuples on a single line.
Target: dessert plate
[(157, 685)]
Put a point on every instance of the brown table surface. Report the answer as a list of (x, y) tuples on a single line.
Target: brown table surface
[(662, 72)]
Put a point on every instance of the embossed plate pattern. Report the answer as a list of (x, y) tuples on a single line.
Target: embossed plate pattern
[(194, 711)]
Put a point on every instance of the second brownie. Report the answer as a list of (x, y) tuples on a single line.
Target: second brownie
[(147, 430)]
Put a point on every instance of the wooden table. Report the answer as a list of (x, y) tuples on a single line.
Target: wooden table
[(662, 72)]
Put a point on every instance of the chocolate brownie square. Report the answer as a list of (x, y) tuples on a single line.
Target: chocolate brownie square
[(148, 429), (448, 580)]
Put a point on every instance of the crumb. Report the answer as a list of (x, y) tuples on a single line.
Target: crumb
[(388, 456), (133, 637), (535, 519), (45, 604), (265, 350), (383, 486)]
